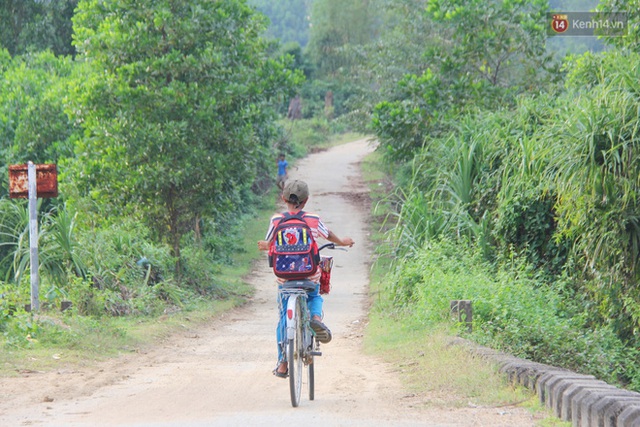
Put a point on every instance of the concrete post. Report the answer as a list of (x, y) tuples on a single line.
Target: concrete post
[(463, 310)]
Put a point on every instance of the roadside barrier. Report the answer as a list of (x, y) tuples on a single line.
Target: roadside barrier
[(581, 399)]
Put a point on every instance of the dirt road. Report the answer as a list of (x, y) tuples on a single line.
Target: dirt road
[(220, 374)]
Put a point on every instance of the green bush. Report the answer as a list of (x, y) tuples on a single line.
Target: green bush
[(526, 223), (86, 298), (12, 301), (22, 331), (511, 311), (199, 272)]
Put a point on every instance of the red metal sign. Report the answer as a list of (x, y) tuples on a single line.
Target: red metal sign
[(46, 181)]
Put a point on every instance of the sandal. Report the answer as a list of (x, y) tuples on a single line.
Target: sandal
[(280, 374), (323, 334)]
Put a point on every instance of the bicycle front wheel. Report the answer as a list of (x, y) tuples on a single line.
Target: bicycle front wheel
[(295, 351)]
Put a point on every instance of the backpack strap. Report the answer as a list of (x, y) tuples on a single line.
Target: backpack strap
[(286, 216)]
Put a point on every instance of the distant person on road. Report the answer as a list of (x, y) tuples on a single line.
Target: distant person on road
[(296, 194), (282, 171)]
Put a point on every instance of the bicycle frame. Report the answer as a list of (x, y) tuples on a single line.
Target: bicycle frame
[(295, 290), (299, 344), (299, 347)]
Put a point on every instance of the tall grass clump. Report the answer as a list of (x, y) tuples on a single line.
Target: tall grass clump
[(510, 311), (595, 167), (532, 212)]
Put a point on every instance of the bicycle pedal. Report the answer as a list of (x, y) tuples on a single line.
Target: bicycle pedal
[(316, 353)]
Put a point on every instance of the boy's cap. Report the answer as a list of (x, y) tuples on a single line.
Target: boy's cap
[(295, 191)]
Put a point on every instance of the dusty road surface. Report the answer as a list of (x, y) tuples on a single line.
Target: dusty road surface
[(220, 374)]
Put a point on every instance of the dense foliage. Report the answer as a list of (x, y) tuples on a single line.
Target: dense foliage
[(523, 196), (161, 125), (32, 25)]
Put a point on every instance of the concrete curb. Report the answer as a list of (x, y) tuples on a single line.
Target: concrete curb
[(581, 399)]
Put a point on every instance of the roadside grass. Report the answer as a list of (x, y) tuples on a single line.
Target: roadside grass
[(73, 340), (305, 136), (444, 374), (70, 340), (252, 230), (429, 363), (440, 374), (346, 138)]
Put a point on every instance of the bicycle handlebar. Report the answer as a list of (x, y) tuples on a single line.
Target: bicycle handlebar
[(327, 246), (330, 246)]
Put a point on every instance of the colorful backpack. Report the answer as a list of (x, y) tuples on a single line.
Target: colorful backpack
[(293, 254)]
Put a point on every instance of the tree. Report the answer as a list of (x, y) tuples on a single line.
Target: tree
[(629, 9), (33, 99), (479, 54), (37, 25), (335, 27), (176, 109), (492, 50)]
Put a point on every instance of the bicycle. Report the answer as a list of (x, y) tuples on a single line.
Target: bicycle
[(300, 346)]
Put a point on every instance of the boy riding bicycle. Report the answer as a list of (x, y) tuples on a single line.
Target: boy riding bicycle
[(295, 194)]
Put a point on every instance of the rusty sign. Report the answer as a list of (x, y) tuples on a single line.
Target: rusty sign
[(46, 181)]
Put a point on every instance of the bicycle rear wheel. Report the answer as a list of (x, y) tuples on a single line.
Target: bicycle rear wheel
[(295, 349), (311, 379)]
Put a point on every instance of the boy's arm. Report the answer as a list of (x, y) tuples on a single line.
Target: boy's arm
[(347, 241), (263, 245)]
